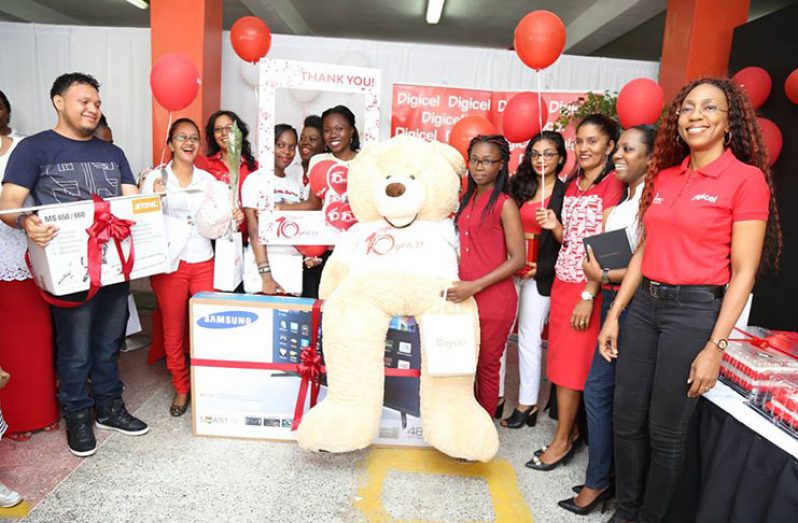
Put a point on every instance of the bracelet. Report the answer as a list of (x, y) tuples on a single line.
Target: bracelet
[(264, 270), (21, 219), (263, 264)]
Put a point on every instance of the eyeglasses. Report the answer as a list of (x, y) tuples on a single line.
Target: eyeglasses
[(487, 162), (706, 110), (222, 130), (547, 155), (183, 138)]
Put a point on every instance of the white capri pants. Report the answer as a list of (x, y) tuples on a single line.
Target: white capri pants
[(533, 309)]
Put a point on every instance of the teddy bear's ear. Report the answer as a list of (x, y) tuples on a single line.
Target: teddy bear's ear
[(452, 156)]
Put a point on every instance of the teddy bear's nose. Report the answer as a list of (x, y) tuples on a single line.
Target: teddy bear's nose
[(395, 189)]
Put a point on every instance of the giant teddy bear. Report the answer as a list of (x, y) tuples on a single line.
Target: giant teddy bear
[(397, 260)]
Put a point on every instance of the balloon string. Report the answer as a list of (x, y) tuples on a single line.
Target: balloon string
[(543, 162), (166, 138)]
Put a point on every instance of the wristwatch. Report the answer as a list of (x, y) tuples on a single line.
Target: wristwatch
[(587, 296), (605, 276), (720, 344)]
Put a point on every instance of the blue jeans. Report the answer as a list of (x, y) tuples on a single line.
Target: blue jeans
[(87, 341), (599, 392)]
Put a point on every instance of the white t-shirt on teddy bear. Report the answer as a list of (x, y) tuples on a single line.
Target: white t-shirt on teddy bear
[(425, 248)]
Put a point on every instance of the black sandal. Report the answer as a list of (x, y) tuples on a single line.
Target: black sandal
[(178, 410), (519, 418)]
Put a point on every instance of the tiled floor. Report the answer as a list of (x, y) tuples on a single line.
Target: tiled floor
[(168, 475)]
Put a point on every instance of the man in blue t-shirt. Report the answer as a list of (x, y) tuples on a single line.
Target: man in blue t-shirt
[(62, 165)]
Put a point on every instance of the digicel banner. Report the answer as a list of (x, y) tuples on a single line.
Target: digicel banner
[(430, 112)]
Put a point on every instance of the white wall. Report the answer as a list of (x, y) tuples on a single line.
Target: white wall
[(32, 56)]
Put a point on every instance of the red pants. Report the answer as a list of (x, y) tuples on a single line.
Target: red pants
[(496, 306), (173, 292)]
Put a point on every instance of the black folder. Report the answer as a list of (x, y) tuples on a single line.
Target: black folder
[(611, 249)]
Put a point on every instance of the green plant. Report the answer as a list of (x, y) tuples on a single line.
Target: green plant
[(603, 103)]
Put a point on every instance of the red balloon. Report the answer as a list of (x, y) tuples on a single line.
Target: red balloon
[(175, 81), (756, 83), (318, 176), (466, 129), (251, 38), (521, 120), (640, 102), (791, 87), (312, 251), (539, 39), (772, 136)]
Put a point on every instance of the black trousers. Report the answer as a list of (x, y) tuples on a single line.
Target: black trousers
[(661, 338)]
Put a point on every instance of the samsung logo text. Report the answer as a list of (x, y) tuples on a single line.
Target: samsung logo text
[(227, 319)]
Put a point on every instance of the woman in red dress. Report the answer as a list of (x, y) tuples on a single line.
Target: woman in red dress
[(574, 318), (491, 251), (26, 333)]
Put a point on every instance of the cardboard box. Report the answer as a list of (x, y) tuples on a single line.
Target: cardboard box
[(235, 338), (62, 267)]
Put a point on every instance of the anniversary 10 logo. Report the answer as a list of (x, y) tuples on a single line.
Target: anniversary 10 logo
[(286, 228), (227, 319)]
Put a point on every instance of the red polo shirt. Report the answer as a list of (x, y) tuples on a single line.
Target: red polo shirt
[(215, 166), (689, 222)]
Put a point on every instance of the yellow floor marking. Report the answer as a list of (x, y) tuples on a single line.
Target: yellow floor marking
[(18, 511), (509, 504)]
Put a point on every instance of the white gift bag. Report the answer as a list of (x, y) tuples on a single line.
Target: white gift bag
[(286, 270), (228, 263), (449, 342)]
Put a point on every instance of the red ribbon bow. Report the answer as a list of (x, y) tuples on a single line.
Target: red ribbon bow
[(107, 227), (309, 368), (781, 341)]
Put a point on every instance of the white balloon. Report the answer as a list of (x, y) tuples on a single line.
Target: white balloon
[(249, 72), (304, 96), (355, 59)]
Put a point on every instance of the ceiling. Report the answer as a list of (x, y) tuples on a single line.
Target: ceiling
[(616, 28)]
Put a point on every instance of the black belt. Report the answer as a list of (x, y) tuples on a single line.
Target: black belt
[(695, 293)]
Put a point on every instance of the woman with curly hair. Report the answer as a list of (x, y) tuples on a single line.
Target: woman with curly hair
[(707, 210), (218, 127), (545, 157)]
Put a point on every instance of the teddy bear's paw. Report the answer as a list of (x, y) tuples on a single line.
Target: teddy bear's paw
[(331, 427), (465, 437)]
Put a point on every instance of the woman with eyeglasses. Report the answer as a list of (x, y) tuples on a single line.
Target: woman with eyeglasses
[(215, 160), (708, 210), (575, 303), (491, 251), (544, 157), (190, 253)]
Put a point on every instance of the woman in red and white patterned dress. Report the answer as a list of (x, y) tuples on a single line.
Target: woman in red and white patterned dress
[(574, 318)]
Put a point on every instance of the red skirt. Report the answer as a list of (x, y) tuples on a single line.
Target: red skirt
[(27, 353), (570, 352)]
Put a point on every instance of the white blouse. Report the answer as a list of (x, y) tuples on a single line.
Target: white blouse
[(13, 242), (625, 214), (185, 242)]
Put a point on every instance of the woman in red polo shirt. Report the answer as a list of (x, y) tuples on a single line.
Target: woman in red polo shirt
[(575, 302), (707, 210)]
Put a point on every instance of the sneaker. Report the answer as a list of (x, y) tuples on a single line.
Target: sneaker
[(9, 498), (80, 434), (116, 417)]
